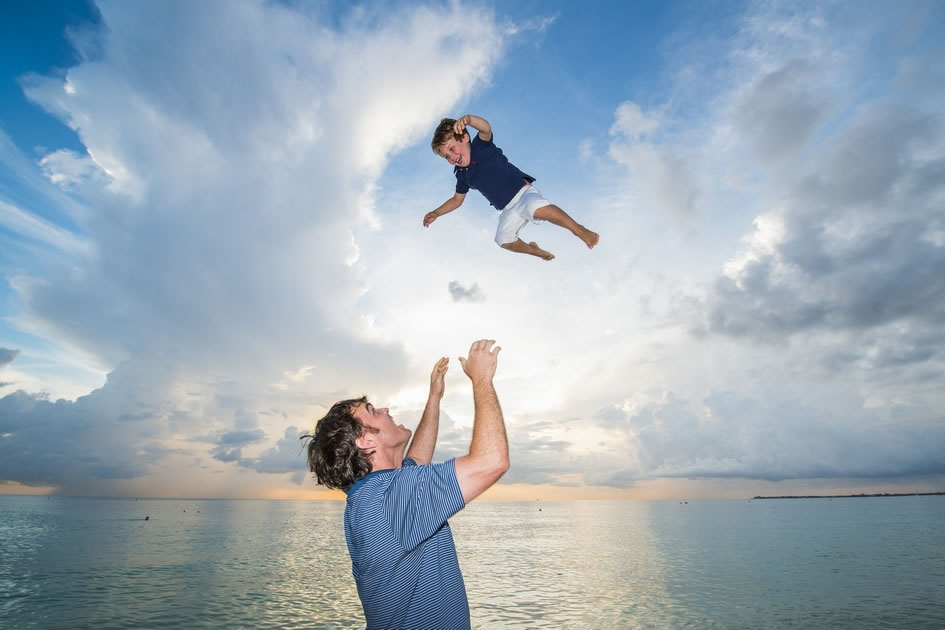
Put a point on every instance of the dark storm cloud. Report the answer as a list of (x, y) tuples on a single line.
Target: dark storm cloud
[(460, 293), (229, 446), (241, 438), (64, 443), (861, 249), (285, 457), (780, 436)]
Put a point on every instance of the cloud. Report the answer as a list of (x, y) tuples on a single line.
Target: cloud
[(852, 245), (229, 446), (63, 443), (71, 171), (781, 111), (229, 247), (227, 171), (837, 282), (459, 293), (659, 171), (38, 230), (285, 457), (6, 358), (778, 437), (7, 355)]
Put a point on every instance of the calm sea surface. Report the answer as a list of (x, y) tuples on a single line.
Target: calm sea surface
[(808, 563)]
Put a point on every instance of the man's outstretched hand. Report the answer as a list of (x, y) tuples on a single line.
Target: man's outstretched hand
[(436, 377), (481, 364)]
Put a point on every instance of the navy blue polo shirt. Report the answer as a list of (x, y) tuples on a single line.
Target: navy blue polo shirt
[(491, 173), (402, 552)]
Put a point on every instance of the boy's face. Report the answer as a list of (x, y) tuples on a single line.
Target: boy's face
[(456, 152)]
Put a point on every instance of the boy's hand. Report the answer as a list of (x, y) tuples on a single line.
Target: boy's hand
[(436, 378), (459, 127), (481, 364), (429, 218)]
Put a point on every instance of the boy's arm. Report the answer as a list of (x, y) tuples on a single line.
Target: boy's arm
[(479, 124), (445, 208)]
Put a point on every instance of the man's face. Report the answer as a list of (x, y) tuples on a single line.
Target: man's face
[(456, 152), (385, 433)]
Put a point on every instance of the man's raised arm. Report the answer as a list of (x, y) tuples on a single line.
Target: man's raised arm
[(488, 457), (424, 438)]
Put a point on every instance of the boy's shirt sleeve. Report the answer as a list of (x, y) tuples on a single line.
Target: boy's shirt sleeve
[(484, 142), (421, 499), (462, 186)]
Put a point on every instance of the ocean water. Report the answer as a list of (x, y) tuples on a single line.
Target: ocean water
[(805, 563)]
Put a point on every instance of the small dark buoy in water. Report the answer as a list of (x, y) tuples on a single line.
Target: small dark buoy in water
[(147, 518)]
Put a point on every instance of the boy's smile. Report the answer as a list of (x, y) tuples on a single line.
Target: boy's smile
[(456, 152)]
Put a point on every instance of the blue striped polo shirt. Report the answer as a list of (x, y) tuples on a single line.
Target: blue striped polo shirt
[(402, 552), (491, 173)]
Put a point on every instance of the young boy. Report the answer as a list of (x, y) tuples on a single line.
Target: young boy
[(480, 164)]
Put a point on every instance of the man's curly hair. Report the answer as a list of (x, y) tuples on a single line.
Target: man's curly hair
[(332, 453), (444, 131)]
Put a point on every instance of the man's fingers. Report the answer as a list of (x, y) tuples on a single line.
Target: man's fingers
[(482, 344), (495, 351)]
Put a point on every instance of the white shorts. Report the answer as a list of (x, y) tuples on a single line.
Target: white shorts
[(519, 212)]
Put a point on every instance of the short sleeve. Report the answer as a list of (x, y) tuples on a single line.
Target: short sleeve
[(462, 186), (487, 143), (421, 499)]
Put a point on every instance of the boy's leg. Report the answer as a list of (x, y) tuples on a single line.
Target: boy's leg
[(559, 217), (521, 247)]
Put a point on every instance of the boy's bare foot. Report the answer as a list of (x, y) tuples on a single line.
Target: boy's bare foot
[(590, 238), (537, 251), (521, 247)]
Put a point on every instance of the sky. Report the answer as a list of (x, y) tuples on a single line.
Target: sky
[(211, 230)]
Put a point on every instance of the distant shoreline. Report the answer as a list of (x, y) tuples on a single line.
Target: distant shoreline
[(856, 496)]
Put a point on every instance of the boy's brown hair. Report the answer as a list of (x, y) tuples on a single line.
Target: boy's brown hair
[(444, 132)]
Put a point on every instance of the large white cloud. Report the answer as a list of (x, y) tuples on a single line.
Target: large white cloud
[(231, 150)]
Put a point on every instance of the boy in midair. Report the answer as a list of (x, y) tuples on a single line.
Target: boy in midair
[(480, 164)]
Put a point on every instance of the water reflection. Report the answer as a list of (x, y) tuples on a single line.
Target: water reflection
[(859, 563), (572, 564)]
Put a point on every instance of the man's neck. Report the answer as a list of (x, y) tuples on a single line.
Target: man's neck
[(387, 460)]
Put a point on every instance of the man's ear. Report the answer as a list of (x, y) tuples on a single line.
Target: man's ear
[(366, 442)]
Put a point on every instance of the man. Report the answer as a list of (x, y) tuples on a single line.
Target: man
[(401, 546)]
